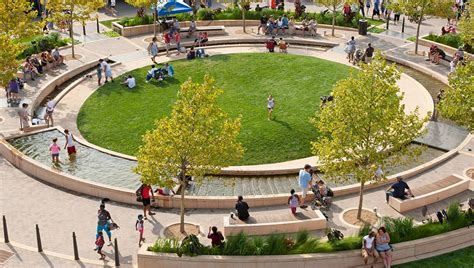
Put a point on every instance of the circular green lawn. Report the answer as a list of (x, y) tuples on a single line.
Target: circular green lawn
[(115, 117)]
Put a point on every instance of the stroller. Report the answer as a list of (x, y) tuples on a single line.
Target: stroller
[(358, 57), (320, 201)]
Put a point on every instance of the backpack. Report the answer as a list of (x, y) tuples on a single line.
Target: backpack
[(330, 192), (138, 193)]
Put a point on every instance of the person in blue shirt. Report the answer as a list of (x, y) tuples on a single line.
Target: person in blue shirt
[(397, 190), (304, 181), (169, 70)]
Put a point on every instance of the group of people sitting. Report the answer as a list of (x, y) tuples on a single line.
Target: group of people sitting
[(272, 26), (272, 43), (435, 54), (160, 73), (36, 64), (196, 53)]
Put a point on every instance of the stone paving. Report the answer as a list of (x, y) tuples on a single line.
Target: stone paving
[(26, 201)]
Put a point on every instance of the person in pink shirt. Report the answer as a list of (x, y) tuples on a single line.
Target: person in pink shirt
[(54, 149), (177, 39)]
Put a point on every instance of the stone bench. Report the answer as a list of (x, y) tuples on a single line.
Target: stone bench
[(211, 30), (284, 222), (431, 193)]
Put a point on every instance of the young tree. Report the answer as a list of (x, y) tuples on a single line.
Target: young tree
[(141, 5), (333, 5), (466, 26), (73, 11), (365, 124), (418, 11), (197, 139), (16, 19), (458, 101), (16, 22), (244, 6)]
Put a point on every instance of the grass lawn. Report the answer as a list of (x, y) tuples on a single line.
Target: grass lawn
[(463, 258), (115, 117)]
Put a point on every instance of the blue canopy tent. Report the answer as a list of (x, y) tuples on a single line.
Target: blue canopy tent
[(172, 7)]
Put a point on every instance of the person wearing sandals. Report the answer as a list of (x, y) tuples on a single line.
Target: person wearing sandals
[(153, 49), (383, 247), (147, 199)]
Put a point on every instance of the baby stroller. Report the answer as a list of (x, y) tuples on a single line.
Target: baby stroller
[(357, 57), (320, 201)]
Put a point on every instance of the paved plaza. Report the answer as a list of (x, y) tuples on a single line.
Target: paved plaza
[(26, 201)]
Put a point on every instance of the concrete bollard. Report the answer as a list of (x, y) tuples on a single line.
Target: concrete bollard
[(5, 230), (38, 239)]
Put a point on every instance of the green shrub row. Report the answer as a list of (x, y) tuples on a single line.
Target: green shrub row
[(452, 40), (400, 230), (42, 43), (232, 13)]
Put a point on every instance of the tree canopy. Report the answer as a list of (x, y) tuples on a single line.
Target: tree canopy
[(365, 124), (198, 138), (458, 101), (466, 25)]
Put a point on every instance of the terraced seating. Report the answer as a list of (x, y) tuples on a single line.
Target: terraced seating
[(431, 193), (211, 30), (267, 223)]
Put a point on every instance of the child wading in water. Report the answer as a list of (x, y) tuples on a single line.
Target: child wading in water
[(293, 201), (99, 242), (54, 149), (270, 106), (139, 226)]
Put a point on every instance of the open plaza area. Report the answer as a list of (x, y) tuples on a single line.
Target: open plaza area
[(236, 134)]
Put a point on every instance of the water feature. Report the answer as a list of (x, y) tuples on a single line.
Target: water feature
[(100, 167)]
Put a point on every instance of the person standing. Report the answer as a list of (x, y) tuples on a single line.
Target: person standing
[(153, 49), (99, 74), (368, 3), (351, 48), (361, 7), (177, 39), (24, 116), (369, 53), (293, 201), (104, 217), (54, 149), (49, 112), (167, 38), (242, 209), (140, 227), (270, 106), (147, 197), (304, 181), (107, 70), (99, 244), (71, 148)]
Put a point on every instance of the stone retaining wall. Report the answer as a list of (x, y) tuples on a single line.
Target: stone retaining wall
[(449, 50), (403, 252), (146, 29)]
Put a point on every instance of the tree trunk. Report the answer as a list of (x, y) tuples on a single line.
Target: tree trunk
[(243, 18), (71, 34), (84, 28), (181, 214), (361, 199), (333, 21), (154, 24), (417, 36)]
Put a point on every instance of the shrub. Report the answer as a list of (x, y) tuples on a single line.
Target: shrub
[(190, 246), (165, 245), (452, 40), (43, 43)]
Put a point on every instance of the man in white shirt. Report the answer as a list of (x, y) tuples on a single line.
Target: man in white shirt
[(130, 82), (368, 247)]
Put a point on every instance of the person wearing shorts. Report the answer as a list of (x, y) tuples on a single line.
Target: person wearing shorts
[(270, 106), (140, 227), (147, 198), (49, 112), (167, 38), (368, 247), (383, 246), (153, 49), (71, 148), (304, 181), (54, 149)]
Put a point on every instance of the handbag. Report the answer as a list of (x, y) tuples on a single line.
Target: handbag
[(138, 193), (113, 226)]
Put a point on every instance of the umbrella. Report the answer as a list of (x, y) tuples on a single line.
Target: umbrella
[(172, 7)]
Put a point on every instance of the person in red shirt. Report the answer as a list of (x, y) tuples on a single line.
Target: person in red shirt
[(167, 41), (217, 239), (177, 39), (147, 198)]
